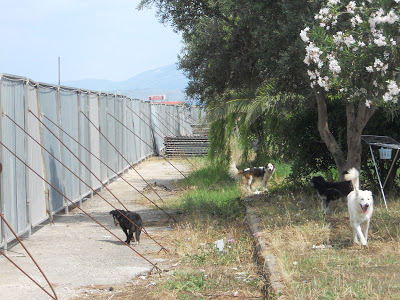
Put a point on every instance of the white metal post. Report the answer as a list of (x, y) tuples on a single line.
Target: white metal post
[(379, 178)]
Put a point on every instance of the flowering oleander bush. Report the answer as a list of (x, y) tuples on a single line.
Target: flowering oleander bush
[(353, 50)]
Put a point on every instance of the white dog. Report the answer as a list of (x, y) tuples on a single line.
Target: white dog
[(360, 204)]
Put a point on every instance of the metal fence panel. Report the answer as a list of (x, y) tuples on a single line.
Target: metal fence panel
[(20, 150), (185, 116), (171, 122), (53, 170), (172, 131), (158, 140), (129, 136), (84, 140), (94, 140), (57, 127), (36, 186), (13, 175), (118, 140), (104, 170), (110, 130), (140, 114), (146, 109), (137, 125), (69, 121)]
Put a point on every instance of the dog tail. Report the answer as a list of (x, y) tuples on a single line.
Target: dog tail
[(353, 175), (233, 170)]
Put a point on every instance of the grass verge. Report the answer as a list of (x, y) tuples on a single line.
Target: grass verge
[(212, 214), (316, 255)]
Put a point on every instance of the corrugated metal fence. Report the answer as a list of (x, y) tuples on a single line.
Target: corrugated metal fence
[(43, 124)]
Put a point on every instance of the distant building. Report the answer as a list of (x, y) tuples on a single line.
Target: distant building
[(162, 99)]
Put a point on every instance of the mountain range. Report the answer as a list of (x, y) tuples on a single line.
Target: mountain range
[(167, 80)]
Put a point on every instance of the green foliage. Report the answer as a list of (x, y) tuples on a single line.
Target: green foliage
[(219, 140), (253, 122), (352, 50), (308, 155), (188, 281), (237, 45), (245, 63), (282, 170), (305, 150)]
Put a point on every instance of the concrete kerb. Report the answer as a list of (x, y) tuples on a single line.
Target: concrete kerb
[(265, 259)]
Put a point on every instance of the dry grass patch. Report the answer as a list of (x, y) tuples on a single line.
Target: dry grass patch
[(206, 273), (197, 270), (317, 257)]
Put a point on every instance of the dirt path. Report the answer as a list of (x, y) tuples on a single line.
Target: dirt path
[(76, 253)]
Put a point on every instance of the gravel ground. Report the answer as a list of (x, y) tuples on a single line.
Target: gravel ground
[(75, 253)]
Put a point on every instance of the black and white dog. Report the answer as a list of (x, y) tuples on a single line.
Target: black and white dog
[(330, 190), (361, 206), (135, 224), (249, 174)]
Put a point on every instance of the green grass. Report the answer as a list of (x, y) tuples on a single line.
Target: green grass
[(211, 192), (209, 176), (224, 203), (282, 170), (191, 282)]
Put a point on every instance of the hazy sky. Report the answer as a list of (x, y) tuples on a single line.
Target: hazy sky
[(101, 39)]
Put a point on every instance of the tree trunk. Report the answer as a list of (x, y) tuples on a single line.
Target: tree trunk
[(356, 123), (355, 126), (327, 136)]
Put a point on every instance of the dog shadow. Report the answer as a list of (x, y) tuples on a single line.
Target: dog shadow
[(117, 242)]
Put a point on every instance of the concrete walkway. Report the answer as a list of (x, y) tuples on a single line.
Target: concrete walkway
[(75, 252)]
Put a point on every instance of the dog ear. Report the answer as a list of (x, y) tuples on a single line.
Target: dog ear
[(112, 212)]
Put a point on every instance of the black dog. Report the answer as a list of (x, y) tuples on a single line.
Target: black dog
[(126, 225), (330, 190)]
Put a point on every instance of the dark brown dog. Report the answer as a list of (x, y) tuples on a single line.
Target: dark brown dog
[(120, 218)]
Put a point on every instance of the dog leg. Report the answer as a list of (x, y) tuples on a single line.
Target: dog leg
[(250, 182), (366, 227), (264, 182), (126, 233), (323, 205), (360, 235), (130, 237), (355, 236)]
